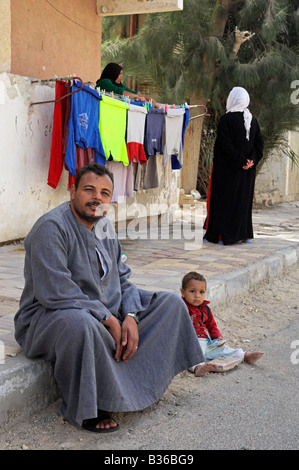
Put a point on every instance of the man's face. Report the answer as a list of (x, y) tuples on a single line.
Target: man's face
[(90, 201)]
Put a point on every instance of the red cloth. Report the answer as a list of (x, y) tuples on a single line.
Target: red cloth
[(208, 199), (208, 204), (56, 153), (202, 319), (136, 152), (83, 157), (60, 137)]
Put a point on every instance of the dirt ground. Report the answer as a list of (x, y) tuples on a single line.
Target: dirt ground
[(262, 312), (247, 323)]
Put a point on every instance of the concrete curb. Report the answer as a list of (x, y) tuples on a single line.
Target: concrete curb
[(224, 288), (27, 385)]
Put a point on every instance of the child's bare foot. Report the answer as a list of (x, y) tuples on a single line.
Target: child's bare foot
[(252, 358), (203, 369)]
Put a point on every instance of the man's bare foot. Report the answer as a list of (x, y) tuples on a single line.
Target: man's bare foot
[(106, 424), (252, 358), (103, 423), (203, 369)]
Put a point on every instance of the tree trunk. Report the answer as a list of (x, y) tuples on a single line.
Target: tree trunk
[(192, 148), (189, 170)]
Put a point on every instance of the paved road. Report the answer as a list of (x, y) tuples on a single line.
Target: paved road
[(263, 413), (248, 408)]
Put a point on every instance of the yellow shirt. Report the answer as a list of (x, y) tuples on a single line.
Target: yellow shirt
[(112, 125)]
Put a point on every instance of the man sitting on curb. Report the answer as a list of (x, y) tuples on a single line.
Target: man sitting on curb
[(115, 348)]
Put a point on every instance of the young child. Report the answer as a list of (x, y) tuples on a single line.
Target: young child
[(193, 292)]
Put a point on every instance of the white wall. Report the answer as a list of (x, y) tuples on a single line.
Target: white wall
[(25, 140), (278, 179)]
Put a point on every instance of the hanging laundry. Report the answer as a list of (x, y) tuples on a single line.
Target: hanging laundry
[(142, 104), (83, 126), (153, 145), (112, 125), (173, 134), (136, 116), (154, 128), (123, 180), (175, 164), (84, 157), (185, 124), (153, 171), (137, 175), (62, 88)]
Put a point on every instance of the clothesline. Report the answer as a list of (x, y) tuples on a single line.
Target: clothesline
[(58, 80), (93, 128), (198, 106), (112, 95), (162, 105), (199, 115)]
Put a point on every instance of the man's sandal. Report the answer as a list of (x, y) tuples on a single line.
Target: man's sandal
[(91, 424)]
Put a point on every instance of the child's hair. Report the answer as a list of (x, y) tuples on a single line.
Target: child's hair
[(193, 275)]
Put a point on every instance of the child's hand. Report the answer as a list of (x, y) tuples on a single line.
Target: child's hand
[(221, 341)]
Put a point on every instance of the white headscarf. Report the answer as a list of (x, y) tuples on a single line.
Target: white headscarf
[(238, 100)]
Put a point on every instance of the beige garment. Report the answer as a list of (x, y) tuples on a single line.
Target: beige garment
[(123, 180), (152, 176)]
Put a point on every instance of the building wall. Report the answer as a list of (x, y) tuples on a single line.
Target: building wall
[(5, 37), (128, 7), (293, 178), (55, 38), (278, 179), (25, 139)]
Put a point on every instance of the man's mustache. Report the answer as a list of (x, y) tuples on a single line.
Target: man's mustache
[(93, 203), (102, 208)]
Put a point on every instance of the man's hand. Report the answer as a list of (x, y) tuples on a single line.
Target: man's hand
[(129, 338), (114, 328)]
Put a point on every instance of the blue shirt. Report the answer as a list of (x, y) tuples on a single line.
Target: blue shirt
[(83, 126)]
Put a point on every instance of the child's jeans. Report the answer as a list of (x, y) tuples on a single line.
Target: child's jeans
[(210, 351)]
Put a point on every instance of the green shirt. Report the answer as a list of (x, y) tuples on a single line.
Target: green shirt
[(106, 84)]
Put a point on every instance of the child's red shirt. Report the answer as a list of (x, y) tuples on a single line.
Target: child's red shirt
[(203, 320)]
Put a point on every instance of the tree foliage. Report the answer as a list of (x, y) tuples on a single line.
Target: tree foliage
[(179, 54)]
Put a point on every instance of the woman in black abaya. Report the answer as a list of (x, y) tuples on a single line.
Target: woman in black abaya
[(238, 149)]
